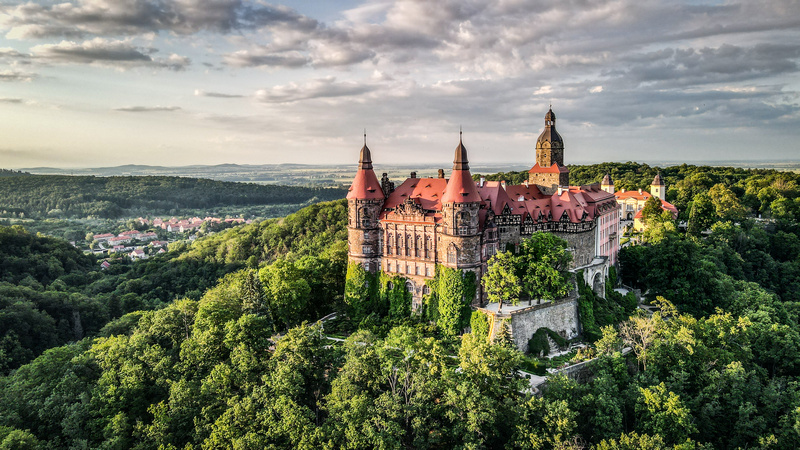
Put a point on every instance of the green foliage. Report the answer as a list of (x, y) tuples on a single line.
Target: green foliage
[(479, 324), (539, 345), (113, 197), (501, 281), (702, 215), (454, 291), (542, 266), (393, 292), (359, 292), (652, 210)]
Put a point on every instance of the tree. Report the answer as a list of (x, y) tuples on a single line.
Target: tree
[(652, 210), (501, 281), (662, 413), (702, 214), (726, 203), (542, 263), (638, 333)]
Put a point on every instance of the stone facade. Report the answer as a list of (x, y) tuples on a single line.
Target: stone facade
[(560, 316), (408, 229)]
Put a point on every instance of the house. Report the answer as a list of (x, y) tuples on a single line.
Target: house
[(102, 237), (138, 254), (632, 202)]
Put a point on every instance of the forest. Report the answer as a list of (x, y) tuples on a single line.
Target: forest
[(217, 344), (61, 196)]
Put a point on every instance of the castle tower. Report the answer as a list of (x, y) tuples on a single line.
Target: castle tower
[(658, 188), (460, 237), (364, 204), (607, 184), (549, 171)]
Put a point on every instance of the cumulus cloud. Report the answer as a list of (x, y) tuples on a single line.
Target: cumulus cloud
[(148, 108), (116, 53), (315, 89), (264, 56), (132, 17)]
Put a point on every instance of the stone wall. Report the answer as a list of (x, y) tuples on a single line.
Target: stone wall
[(582, 245), (560, 316)]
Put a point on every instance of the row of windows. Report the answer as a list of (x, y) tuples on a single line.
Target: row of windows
[(408, 268)]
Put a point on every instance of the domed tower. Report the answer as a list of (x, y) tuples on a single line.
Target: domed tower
[(607, 184), (658, 188), (549, 171), (364, 204), (460, 237)]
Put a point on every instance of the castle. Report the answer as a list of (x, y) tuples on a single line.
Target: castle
[(458, 223)]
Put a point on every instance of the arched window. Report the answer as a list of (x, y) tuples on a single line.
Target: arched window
[(428, 247), (452, 254), (418, 246), (409, 245), (425, 290), (410, 286)]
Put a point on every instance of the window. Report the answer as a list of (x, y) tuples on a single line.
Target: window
[(452, 254), (365, 222), (365, 249)]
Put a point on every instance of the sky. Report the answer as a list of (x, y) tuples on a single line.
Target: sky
[(90, 83)]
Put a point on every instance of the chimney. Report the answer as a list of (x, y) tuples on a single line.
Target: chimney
[(441, 173), (640, 191), (525, 183), (413, 174), (560, 190), (483, 180), (503, 183), (623, 190)]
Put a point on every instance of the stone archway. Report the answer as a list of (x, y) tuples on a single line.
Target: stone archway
[(598, 284)]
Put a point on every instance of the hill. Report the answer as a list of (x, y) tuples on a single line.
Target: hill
[(39, 196)]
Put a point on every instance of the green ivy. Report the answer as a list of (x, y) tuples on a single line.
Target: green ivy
[(394, 296), (453, 291), (479, 323), (538, 343)]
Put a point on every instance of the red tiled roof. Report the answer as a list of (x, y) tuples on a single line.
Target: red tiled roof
[(460, 188), (427, 192), (555, 168), (666, 206), (644, 195), (365, 186)]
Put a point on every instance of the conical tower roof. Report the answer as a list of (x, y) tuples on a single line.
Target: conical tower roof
[(460, 187), (365, 184)]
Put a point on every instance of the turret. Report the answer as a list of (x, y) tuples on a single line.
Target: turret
[(460, 237), (658, 188), (364, 204), (549, 172), (607, 184)]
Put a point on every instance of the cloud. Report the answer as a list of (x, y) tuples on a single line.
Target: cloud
[(12, 75), (133, 17), (148, 108), (265, 57), (11, 100), (315, 89), (115, 53), (201, 93)]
